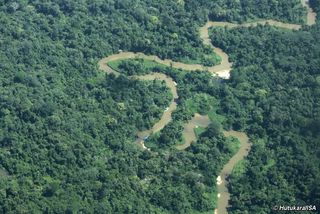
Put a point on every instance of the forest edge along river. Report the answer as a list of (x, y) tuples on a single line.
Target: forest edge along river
[(222, 70), (189, 134), (222, 182), (311, 15)]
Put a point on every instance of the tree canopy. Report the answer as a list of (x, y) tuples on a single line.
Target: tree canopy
[(67, 129)]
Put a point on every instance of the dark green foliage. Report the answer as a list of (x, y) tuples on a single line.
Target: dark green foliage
[(315, 4), (213, 130), (170, 135), (132, 67), (248, 10), (274, 95), (66, 129), (136, 66)]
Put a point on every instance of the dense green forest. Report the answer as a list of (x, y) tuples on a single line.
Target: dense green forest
[(274, 95), (196, 95), (66, 128)]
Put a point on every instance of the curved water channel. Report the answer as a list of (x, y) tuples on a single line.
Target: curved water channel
[(223, 71)]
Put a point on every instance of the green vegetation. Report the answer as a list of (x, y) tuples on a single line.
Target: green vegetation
[(239, 169), (67, 129), (199, 130), (315, 4), (233, 144), (209, 58), (274, 96), (290, 11), (136, 66), (200, 103)]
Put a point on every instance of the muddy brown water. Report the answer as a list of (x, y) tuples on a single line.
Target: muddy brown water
[(215, 70), (223, 71), (222, 189), (189, 134), (166, 117)]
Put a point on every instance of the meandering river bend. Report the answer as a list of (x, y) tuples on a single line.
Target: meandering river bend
[(223, 71)]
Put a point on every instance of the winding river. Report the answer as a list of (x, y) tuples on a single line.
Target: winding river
[(222, 182), (223, 71), (188, 129)]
